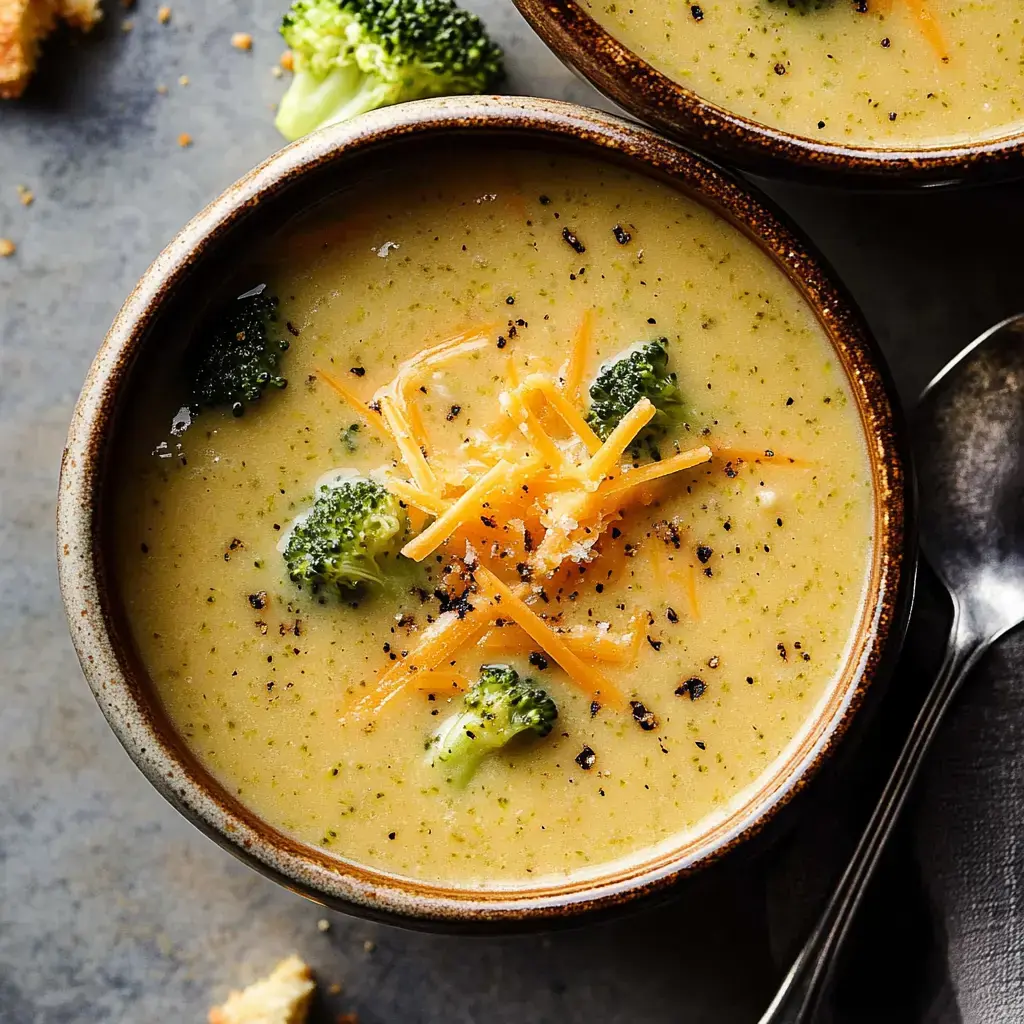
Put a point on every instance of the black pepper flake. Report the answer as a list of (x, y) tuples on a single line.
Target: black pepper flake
[(586, 758), (501, 342), (538, 661), (453, 412), (708, 572), (258, 600), (693, 688), (892, 115), (821, 124), (696, 13), (489, 521), (574, 243), (860, 6), (700, 744), (886, 43), (780, 68), (727, 525), (750, 680), (671, 614), (510, 300), (644, 718), (622, 236), (544, 200), (789, 401), (391, 835), (656, 644), (144, 547), (783, 653), (359, 371), (595, 706), (704, 553), (713, 661)]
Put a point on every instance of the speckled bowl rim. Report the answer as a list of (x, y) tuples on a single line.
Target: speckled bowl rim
[(644, 92), (138, 721)]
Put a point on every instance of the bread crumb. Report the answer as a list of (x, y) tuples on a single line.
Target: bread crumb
[(7, 248), (323, 925), (163, 15), (335, 989), (287, 61), (127, 25), (162, 89), (281, 998), (26, 195), (349, 1018), (369, 946), (184, 80), (241, 41), (184, 140), (276, 71)]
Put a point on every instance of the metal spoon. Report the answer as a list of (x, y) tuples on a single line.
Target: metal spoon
[(968, 435)]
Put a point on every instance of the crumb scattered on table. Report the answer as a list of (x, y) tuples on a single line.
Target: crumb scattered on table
[(335, 989), (287, 61), (26, 195), (183, 80), (369, 946), (184, 140), (127, 25), (163, 15), (323, 925), (7, 248), (162, 89), (241, 41)]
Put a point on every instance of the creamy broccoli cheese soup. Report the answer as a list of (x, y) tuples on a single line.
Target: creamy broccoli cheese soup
[(553, 542), (886, 73)]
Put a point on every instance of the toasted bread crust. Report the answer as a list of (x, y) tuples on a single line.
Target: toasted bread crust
[(24, 24), (281, 998)]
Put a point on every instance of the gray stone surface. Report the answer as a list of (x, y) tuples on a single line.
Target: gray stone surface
[(112, 908)]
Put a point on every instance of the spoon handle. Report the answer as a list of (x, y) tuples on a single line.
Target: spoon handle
[(801, 990)]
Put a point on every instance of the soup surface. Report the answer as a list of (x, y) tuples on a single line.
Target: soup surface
[(897, 74), (709, 610)]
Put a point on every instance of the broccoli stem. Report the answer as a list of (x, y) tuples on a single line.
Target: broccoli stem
[(312, 102)]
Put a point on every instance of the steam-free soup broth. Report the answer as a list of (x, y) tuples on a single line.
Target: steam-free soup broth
[(882, 73), (673, 547)]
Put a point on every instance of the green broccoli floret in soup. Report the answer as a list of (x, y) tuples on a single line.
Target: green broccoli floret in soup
[(496, 709), (352, 56), (236, 355), (350, 538), (641, 372)]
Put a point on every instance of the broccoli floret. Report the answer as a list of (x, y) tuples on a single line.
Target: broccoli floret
[(346, 539), (496, 709), (236, 356), (641, 373), (352, 56)]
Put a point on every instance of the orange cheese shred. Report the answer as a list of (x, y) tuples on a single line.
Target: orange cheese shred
[(929, 27), (607, 457), (565, 409), (409, 447), (587, 677), (655, 471), (353, 400), (577, 364), (415, 497)]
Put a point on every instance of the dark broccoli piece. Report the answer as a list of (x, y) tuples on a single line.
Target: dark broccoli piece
[(496, 709), (345, 540), (235, 358), (640, 373), (352, 56)]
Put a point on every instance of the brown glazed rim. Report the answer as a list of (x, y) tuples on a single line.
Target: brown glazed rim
[(646, 93), (101, 634)]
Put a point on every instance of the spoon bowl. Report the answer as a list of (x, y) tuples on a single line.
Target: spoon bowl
[(969, 439)]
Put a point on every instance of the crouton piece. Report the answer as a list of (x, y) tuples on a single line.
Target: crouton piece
[(281, 998), (24, 24), (80, 14)]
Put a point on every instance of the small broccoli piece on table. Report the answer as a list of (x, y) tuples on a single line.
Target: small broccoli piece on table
[(640, 373), (498, 708), (352, 56), (348, 538), (235, 359)]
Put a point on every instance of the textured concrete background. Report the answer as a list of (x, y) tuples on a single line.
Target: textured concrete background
[(112, 908)]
